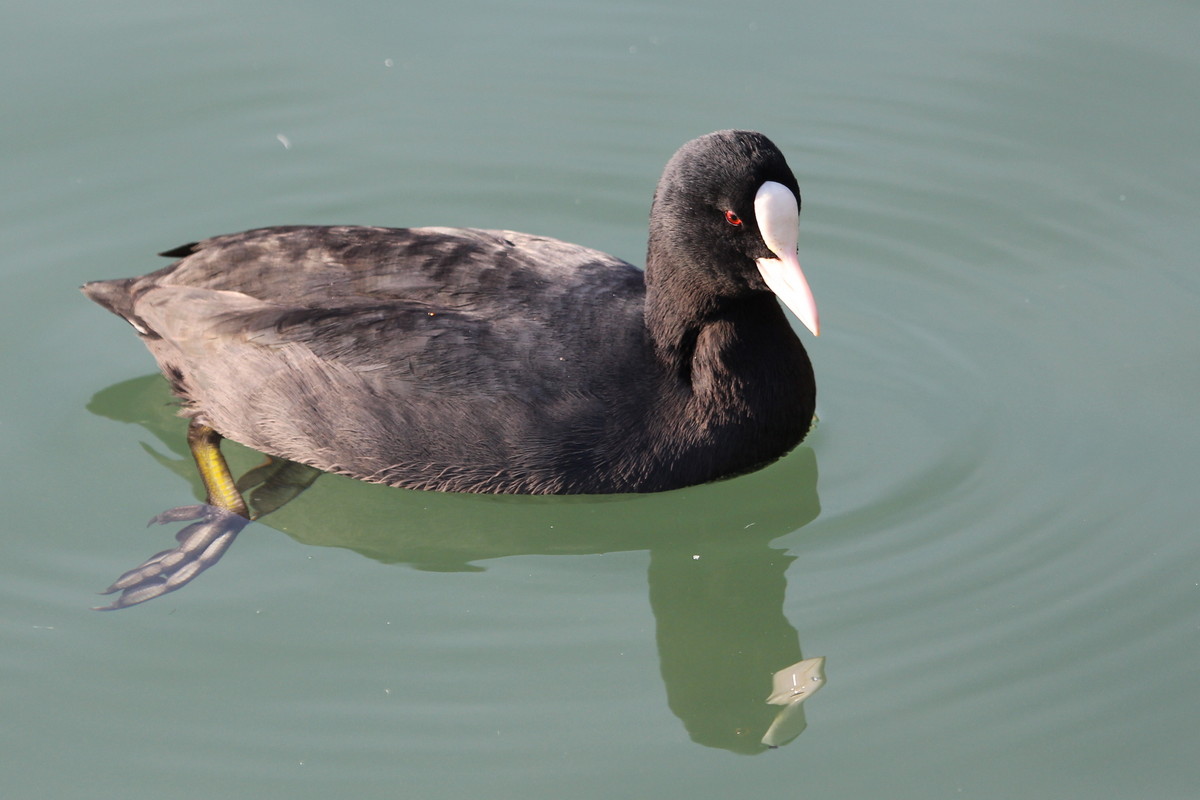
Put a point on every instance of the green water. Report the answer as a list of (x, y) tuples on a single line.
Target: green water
[(991, 537)]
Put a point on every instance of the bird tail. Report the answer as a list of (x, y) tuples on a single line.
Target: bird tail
[(114, 295), (117, 296)]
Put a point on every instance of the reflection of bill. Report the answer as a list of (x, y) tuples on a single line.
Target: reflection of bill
[(793, 686), (724, 642)]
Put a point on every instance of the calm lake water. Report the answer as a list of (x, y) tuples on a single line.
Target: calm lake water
[(991, 537)]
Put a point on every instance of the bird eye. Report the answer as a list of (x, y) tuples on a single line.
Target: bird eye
[(733, 219)]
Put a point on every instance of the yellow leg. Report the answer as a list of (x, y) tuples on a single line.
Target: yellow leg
[(205, 444)]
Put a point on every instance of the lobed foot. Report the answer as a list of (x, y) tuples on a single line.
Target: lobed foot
[(201, 545), (214, 525), (273, 484)]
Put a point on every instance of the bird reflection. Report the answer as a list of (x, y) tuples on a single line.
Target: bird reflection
[(716, 584)]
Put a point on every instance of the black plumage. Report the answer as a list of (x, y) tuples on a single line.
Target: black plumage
[(495, 361)]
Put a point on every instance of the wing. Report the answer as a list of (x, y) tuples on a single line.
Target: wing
[(429, 358), (444, 268)]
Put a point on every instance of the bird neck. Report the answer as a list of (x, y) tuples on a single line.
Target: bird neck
[(684, 312), (677, 309)]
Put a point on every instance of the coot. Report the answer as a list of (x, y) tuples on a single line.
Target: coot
[(473, 360)]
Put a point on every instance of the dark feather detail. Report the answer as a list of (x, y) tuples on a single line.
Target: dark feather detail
[(183, 251)]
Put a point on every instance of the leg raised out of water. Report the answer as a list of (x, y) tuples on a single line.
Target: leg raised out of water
[(214, 525)]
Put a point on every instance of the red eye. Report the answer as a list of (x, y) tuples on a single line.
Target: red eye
[(733, 219)]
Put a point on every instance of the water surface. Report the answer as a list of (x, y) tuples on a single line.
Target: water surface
[(991, 535)]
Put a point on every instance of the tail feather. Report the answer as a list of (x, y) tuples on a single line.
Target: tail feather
[(113, 295), (117, 297)]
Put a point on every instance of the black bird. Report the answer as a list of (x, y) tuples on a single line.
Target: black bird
[(493, 361)]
